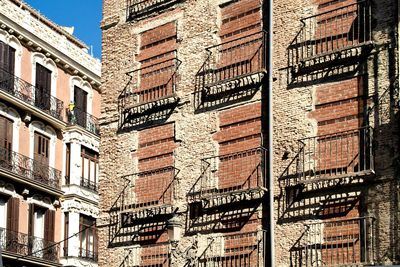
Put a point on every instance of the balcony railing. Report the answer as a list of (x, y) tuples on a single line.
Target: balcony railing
[(148, 255), (344, 242), (230, 174), (139, 8), (29, 168), (80, 117), (88, 254), (31, 95), (243, 249), (331, 156), (150, 83), (233, 59), (89, 184), (25, 245), (342, 28)]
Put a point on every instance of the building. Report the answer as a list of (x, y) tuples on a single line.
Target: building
[(49, 140), (186, 158)]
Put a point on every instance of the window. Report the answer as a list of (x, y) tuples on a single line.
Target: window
[(90, 168), (66, 233), (88, 237), (42, 87), (3, 213), (80, 110), (41, 228), (7, 65), (41, 157)]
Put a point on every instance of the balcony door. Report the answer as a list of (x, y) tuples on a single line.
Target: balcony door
[(41, 157), (80, 111), (7, 65), (42, 87)]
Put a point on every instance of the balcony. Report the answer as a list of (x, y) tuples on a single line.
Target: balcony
[(137, 9), (22, 90), (89, 184), (150, 92), (76, 116), (28, 246), (334, 36), (243, 249), (232, 67), (331, 157), (144, 206), (230, 178), (29, 169), (343, 242)]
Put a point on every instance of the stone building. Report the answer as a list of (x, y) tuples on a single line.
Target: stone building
[(49, 141), (185, 161)]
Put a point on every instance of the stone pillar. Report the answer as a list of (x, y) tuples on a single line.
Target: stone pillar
[(75, 164), (73, 228)]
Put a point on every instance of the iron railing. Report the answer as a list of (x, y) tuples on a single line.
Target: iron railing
[(142, 191), (340, 242), (29, 168), (243, 249), (138, 8), (239, 171), (89, 184), (26, 245), (341, 28), (148, 255), (77, 116), (30, 94), (233, 59), (343, 154), (88, 254), (149, 83)]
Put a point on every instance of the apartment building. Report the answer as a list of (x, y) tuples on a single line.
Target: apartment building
[(182, 156), (49, 141), (185, 155)]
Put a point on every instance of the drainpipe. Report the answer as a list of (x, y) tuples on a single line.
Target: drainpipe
[(269, 243)]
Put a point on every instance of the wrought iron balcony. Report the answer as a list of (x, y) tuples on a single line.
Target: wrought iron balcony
[(31, 95), (139, 8), (146, 197), (148, 255), (233, 177), (26, 245), (88, 254), (330, 32), (232, 65), (340, 242), (87, 121), (243, 249), (329, 157), (29, 168), (89, 184), (149, 89)]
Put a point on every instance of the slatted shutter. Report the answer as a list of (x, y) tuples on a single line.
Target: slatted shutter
[(13, 214), (31, 219), (49, 225), (6, 133), (41, 156), (80, 99), (43, 87)]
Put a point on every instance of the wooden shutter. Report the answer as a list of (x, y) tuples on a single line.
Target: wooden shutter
[(4, 56), (13, 214), (43, 87), (6, 133), (31, 219), (49, 225), (41, 148), (80, 99)]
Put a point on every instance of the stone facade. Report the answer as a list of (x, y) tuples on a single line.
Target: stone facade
[(183, 177)]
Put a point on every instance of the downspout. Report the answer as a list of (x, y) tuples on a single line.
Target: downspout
[(270, 139)]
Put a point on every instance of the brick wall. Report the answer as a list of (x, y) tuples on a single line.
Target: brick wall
[(239, 139)]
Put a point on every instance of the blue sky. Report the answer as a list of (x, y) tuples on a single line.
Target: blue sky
[(84, 15)]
